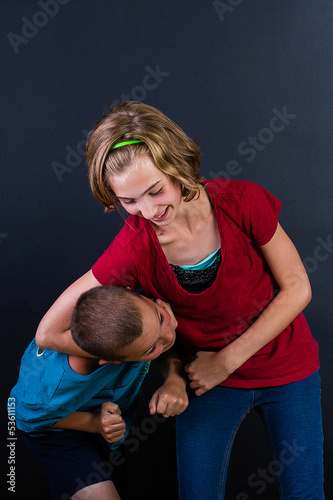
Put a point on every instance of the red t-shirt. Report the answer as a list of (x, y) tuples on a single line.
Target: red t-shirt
[(247, 217)]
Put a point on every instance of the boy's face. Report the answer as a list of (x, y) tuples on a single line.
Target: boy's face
[(158, 333)]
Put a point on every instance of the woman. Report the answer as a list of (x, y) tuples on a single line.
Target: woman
[(216, 252)]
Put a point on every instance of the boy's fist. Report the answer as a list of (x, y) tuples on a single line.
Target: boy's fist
[(110, 423)]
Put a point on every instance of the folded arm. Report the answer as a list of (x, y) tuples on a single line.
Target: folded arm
[(53, 332), (209, 369), (108, 422)]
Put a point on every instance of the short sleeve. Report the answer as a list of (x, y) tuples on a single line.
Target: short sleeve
[(263, 214), (116, 267)]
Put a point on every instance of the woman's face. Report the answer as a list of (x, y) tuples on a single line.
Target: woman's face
[(145, 191)]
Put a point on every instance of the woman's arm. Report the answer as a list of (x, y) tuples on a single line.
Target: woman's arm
[(53, 331), (209, 369)]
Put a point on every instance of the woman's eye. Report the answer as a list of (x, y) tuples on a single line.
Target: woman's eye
[(128, 202), (157, 192), (161, 319)]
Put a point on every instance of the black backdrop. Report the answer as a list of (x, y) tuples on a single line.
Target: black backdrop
[(251, 81)]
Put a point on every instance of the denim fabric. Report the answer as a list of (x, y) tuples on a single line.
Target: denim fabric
[(292, 417)]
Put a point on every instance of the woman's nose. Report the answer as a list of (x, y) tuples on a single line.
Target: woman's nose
[(147, 209)]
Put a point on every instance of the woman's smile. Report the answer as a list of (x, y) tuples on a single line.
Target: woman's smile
[(162, 216)]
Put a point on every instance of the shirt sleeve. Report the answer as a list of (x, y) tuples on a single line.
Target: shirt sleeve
[(263, 214), (116, 267)]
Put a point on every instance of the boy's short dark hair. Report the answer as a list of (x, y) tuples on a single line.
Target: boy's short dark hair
[(105, 320)]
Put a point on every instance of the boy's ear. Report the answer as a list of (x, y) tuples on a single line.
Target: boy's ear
[(105, 362)]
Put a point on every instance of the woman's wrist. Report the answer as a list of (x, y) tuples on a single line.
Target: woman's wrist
[(229, 358)]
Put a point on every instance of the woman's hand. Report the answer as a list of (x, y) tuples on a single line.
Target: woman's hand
[(170, 399), (206, 371)]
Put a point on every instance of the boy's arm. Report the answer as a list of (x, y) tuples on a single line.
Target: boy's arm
[(171, 398), (107, 422)]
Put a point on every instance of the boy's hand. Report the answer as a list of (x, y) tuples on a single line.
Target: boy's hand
[(110, 423), (170, 399)]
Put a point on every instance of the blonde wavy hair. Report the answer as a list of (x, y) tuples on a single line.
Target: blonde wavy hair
[(172, 151)]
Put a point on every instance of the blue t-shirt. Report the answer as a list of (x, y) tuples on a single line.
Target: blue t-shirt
[(48, 390)]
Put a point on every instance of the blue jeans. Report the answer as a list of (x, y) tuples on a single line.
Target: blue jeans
[(292, 417)]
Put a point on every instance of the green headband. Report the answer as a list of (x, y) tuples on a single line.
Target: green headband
[(121, 144)]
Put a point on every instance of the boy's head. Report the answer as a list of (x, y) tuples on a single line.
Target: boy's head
[(116, 324)]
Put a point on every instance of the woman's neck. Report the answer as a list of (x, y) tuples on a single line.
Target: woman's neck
[(189, 214)]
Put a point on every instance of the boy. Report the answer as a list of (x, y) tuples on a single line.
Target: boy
[(65, 403)]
